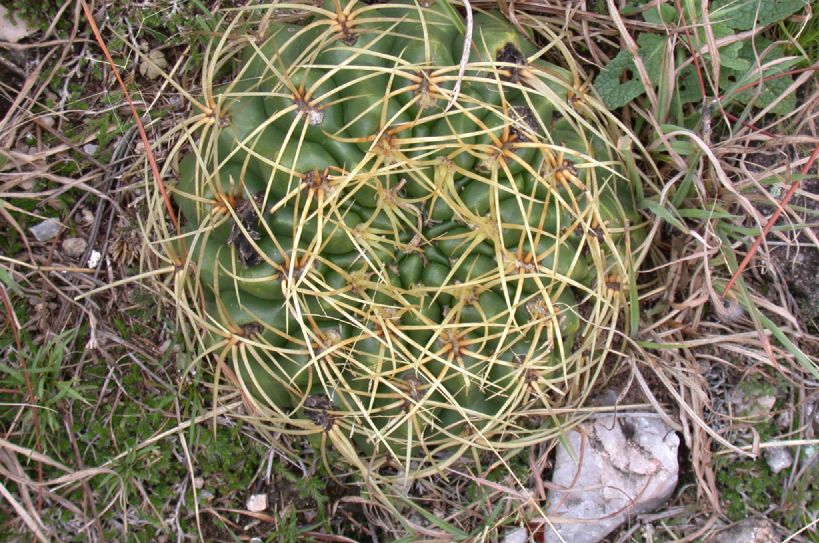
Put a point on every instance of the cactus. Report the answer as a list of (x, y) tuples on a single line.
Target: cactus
[(394, 258)]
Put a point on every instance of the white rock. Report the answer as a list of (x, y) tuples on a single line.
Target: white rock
[(205, 496), (748, 531), (622, 466), (778, 458), (257, 503), (811, 410), (94, 258), (753, 402), (518, 535), (46, 230), (12, 30), (783, 421)]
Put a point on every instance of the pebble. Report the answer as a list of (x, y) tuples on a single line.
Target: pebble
[(84, 217), (257, 503), (778, 458), (74, 247)]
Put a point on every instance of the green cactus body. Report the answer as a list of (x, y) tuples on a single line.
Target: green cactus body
[(375, 265)]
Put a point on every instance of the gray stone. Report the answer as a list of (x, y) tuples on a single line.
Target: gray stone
[(46, 230), (618, 466)]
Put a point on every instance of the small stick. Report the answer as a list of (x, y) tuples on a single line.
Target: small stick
[(774, 217)]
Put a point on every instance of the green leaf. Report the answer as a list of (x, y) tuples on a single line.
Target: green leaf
[(705, 214), (206, 12), (800, 356), (654, 346), (771, 90), (438, 522), (455, 17), (765, 93), (663, 14), (608, 83), (663, 213), (729, 58), (9, 282), (65, 389), (746, 14), (614, 93), (688, 86), (729, 55), (651, 50)]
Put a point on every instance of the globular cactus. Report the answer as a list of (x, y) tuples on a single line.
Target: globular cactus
[(406, 259)]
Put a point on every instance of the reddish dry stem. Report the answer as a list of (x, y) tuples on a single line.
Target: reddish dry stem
[(774, 217), (148, 153), (734, 118), (772, 77)]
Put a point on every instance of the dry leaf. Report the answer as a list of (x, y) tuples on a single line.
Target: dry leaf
[(153, 66)]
